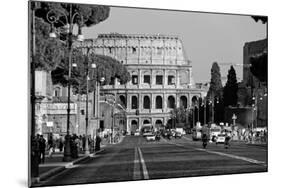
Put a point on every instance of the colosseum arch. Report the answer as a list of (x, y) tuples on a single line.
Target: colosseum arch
[(122, 99), (146, 121), (194, 100), (158, 102), (171, 102), (134, 102), (183, 101), (134, 125), (146, 102)]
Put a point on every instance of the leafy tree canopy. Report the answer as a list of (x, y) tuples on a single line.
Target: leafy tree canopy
[(215, 84), (92, 14), (106, 67), (180, 114), (259, 67), (49, 52)]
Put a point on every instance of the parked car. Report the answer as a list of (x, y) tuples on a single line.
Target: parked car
[(220, 139), (150, 137), (137, 133), (177, 135)]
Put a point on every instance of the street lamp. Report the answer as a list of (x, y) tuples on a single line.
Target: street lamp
[(93, 66), (212, 111), (54, 16)]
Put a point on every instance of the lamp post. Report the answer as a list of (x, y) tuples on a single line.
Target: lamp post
[(54, 16), (93, 66), (212, 111), (205, 108)]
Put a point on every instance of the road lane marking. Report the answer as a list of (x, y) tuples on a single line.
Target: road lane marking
[(144, 169), (226, 155), (233, 156), (137, 173)]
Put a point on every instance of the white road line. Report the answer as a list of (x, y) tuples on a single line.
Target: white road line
[(227, 155), (137, 173), (144, 169), (233, 156)]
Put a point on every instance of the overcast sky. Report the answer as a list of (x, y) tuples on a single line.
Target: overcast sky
[(206, 37)]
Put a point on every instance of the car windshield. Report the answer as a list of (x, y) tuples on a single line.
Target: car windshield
[(221, 135)]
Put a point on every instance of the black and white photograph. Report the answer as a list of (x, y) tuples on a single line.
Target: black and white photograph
[(121, 94)]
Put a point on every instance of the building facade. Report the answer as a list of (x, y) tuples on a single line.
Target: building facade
[(255, 88), (161, 76), (252, 49)]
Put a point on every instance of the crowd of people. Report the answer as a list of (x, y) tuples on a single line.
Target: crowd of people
[(77, 145)]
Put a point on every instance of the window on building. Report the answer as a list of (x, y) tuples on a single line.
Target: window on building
[(110, 50), (171, 102), (134, 102), (134, 79), (122, 99), (171, 80), (146, 102), (146, 79), (159, 51), (57, 92), (134, 50), (159, 79), (158, 102)]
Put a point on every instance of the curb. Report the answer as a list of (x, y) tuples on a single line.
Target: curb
[(59, 169)]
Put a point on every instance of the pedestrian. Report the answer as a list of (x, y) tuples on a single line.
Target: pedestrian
[(60, 144), (50, 146), (42, 148), (98, 141), (83, 142), (76, 145)]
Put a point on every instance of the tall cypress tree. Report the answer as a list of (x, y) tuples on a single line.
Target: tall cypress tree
[(230, 89), (215, 84), (215, 93)]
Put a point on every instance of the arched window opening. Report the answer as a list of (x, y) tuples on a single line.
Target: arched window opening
[(146, 102), (171, 102), (183, 101), (158, 102), (134, 102)]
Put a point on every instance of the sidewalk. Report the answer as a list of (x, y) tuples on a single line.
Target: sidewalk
[(53, 165)]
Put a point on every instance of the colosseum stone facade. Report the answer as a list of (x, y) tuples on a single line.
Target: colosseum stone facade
[(161, 76)]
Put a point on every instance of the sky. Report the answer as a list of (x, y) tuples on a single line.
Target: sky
[(207, 37)]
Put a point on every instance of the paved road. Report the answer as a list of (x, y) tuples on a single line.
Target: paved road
[(136, 159)]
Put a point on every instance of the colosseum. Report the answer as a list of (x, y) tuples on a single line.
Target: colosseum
[(161, 77)]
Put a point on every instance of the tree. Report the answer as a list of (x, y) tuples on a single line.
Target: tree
[(230, 89), (92, 14), (106, 67), (179, 115), (215, 84), (49, 52)]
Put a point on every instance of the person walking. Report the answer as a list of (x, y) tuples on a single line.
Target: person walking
[(42, 148), (60, 144), (50, 146)]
